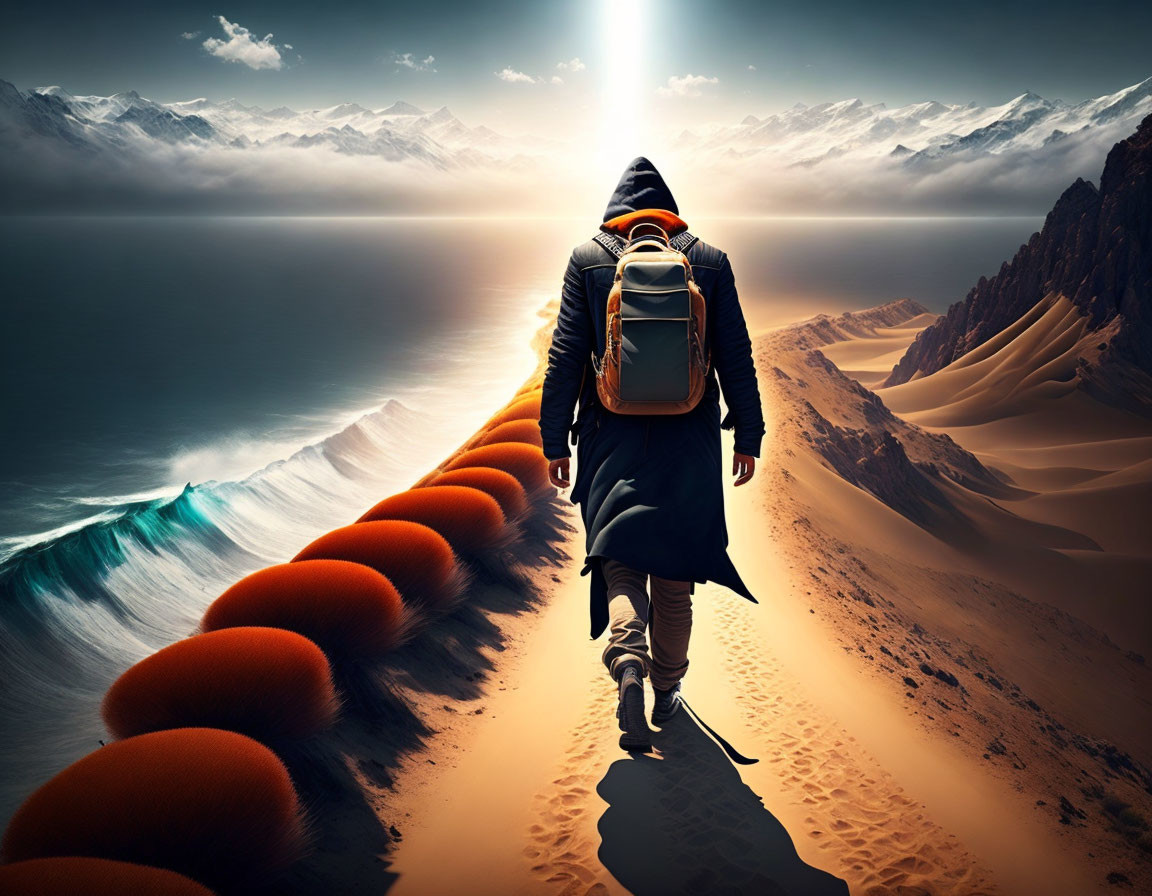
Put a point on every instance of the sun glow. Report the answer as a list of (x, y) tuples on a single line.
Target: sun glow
[(624, 93)]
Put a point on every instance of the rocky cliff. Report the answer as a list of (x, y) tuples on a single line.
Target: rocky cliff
[(1096, 249)]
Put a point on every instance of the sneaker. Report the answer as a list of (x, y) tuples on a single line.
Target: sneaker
[(666, 705), (636, 736)]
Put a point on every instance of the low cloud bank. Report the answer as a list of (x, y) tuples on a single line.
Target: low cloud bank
[(226, 180), (39, 175)]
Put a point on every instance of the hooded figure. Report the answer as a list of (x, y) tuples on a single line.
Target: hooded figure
[(650, 487)]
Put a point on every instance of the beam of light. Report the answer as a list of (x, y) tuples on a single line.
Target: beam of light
[(625, 27)]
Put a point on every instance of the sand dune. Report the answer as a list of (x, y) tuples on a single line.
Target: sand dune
[(1017, 372), (1037, 592), (869, 349), (1076, 471), (1083, 466)]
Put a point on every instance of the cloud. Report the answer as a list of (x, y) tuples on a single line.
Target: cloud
[(573, 65), (751, 68), (38, 174), (266, 180), (190, 35), (514, 77), (686, 85), (243, 48), (409, 60)]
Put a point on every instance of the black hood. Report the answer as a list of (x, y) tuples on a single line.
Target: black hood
[(640, 187)]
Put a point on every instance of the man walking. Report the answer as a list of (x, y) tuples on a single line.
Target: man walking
[(649, 486)]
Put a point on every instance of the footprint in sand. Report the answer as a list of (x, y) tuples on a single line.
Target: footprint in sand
[(874, 836), (685, 822)]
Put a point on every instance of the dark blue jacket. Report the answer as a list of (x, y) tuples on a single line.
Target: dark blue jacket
[(650, 487)]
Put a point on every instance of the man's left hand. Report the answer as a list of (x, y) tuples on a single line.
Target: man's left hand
[(743, 467)]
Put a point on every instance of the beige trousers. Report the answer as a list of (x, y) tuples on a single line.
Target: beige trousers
[(671, 624)]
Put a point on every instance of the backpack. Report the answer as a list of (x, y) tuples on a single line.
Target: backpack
[(655, 360)]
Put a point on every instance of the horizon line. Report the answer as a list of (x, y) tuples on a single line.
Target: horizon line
[(511, 217)]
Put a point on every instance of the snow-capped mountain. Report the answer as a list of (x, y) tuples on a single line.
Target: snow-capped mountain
[(122, 115), (832, 158), (127, 120), (402, 108), (385, 142), (810, 135), (399, 131)]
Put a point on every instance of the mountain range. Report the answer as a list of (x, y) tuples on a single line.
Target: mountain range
[(401, 131), (842, 157), (919, 133)]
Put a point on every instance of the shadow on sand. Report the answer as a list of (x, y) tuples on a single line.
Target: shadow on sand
[(686, 823)]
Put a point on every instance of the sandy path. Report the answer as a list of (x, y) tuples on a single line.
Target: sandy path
[(479, 808), (861, 790)]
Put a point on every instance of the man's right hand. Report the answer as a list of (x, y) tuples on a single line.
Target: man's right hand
[(558, 472)]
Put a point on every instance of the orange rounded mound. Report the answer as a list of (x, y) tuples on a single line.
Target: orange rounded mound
[(348, 609), (213, 805), (416, 559), (535, 385), (504, 487), (525, 462), (468, 518), (527, 431), (267, 683), (93, 877), (525, 408)]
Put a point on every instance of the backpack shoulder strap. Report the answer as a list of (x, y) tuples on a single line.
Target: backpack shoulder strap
[(612, 243), (682, 242)]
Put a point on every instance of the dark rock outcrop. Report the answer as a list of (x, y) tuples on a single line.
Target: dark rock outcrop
[(1095, 249), (877, 463), (886, 437)]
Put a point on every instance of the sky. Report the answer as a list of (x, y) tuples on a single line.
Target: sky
[(521, 66)]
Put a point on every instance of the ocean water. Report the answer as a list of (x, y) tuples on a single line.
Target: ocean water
[(186, 400)]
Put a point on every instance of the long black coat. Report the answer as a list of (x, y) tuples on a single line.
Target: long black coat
[(650, 487)]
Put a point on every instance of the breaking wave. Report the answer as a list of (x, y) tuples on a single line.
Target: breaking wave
[(81, 604)]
